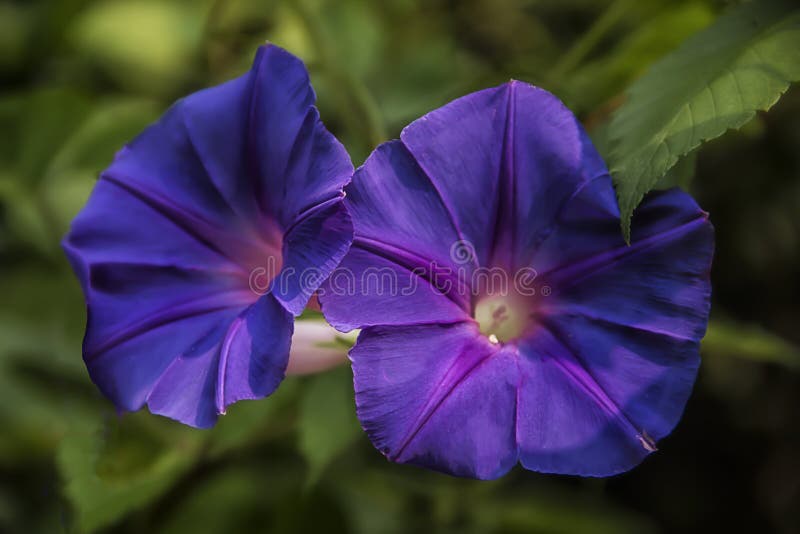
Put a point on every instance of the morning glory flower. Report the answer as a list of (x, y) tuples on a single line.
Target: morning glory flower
[(204, 239), (504, 318)]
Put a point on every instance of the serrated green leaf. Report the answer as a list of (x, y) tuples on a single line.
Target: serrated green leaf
[(715, 81), (328, 424), (602, 79), (681, 174)]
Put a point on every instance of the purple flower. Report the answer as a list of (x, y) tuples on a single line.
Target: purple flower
[(518, 326), (204, 238)]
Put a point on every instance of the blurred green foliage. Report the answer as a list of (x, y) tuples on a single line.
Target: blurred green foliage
[(715, 81), (81, 77)]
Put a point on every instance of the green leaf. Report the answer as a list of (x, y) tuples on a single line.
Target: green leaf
[(681, 174), (602, 79), (716, 80), (110, 124), (226, 502), (252, 422), (328, 424), (373, 502), (15, 29), (48, 119), (109, 472), (42, 377), (73, 170), (540, 512), (749, 342), (65, 141), (24, 216)]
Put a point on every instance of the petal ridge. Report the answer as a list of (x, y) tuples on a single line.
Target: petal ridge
[(408, 260), (589, 383), (182, 219), (567, 275), (430, 408), (172, 314)]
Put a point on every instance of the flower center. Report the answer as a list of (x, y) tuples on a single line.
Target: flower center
[(263, 262), (503, 318)]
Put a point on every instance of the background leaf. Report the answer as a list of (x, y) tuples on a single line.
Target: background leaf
[(717, 80), (118, 467), (148, 44), (726, 338), (604, 77), (79, 78), (327, 424)]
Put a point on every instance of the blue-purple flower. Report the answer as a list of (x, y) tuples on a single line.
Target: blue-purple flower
[(504, 318), (204, 238)]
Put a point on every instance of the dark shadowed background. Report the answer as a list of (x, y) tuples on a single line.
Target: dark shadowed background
[(79, 78)]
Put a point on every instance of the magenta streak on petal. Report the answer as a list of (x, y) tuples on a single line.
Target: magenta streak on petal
[(520, 383), (189, 223), (255, 233), (575, 369), (563, 309), (225, 350), (178, 312), (410, 261), (447, 385), (565, 276)]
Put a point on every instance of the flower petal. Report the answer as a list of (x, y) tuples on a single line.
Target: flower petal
[(439, 396), (119, 227), (176, 227), (618, 344), (567, 423), (368, 289), (659, 283), (548, 158), (607, 359), (247, 362), (459, 147), (596, 397), (127, 372), (401, 257), (394, 203), (504, 160), (312, 250), (290, 141)]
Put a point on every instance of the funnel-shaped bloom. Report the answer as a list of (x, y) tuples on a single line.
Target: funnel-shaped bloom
[(204, 238), (505, 319)]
